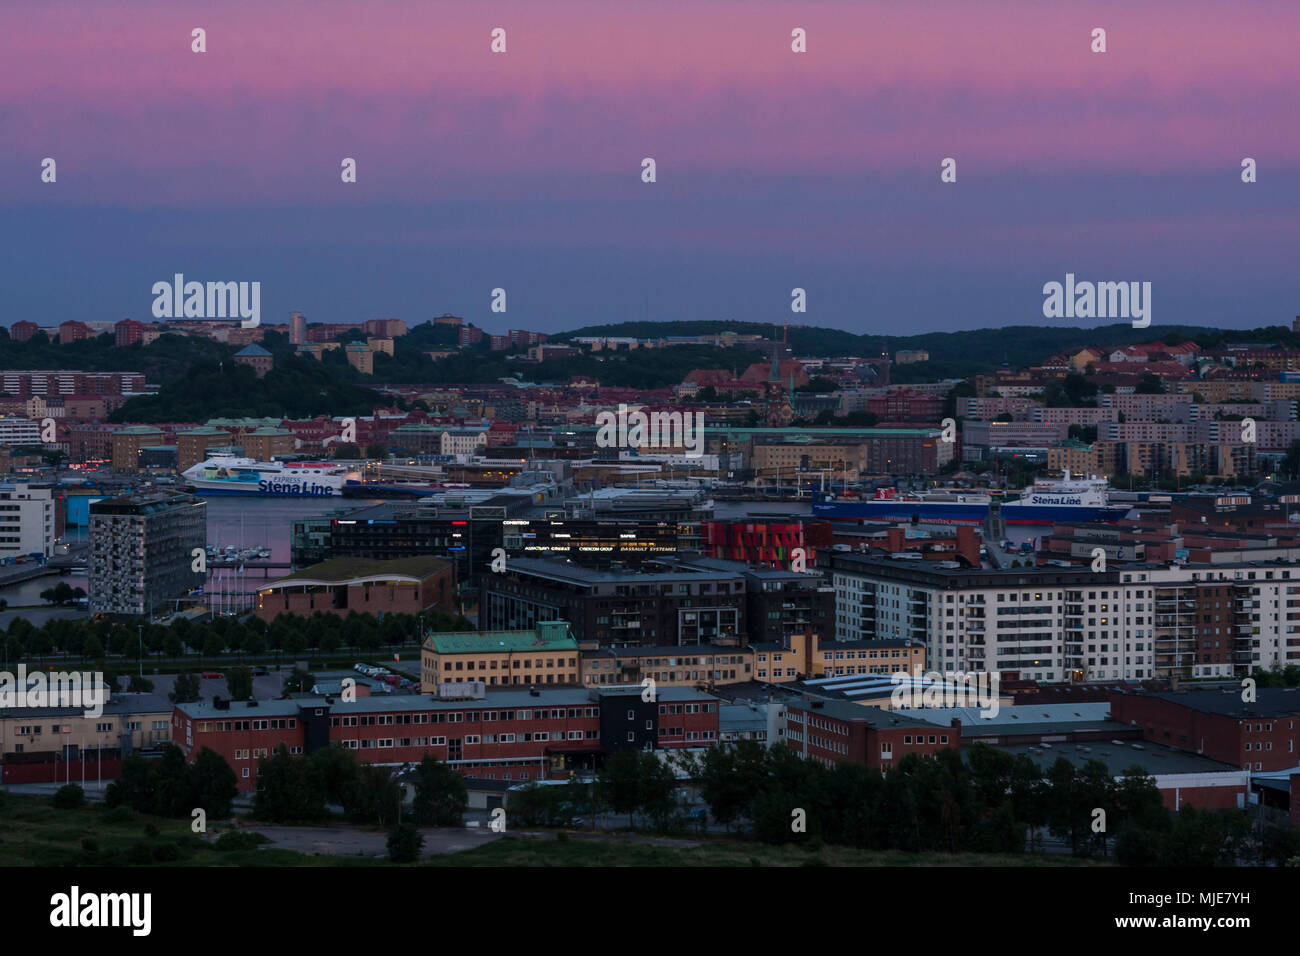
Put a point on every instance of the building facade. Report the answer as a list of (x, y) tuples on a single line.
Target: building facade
[(143, 550)]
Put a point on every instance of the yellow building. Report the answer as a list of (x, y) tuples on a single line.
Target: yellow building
[(361, 358), (28, 734), (673, 666), (835, 658), (843, 458), (545, 655)]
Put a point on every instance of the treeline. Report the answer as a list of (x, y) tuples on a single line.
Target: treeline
[(295, 388), (951, 353), (301, 789), (104, 640), (989, 802), (173, 788), (168, 357)]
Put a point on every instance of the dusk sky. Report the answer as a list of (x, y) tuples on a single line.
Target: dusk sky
[(775, 170)]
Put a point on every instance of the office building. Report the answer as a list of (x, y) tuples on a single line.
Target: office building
[(142, 552)]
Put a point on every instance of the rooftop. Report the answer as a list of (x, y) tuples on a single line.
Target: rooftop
[(1117, 757), (479, 642), (340, 570)]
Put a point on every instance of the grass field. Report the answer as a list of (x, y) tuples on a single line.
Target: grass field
[(34, 833), (525, 851)]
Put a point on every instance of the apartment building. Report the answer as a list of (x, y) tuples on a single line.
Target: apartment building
[(142, 550), (26, 520), (655, 605), (1054, 624), (546, 654)]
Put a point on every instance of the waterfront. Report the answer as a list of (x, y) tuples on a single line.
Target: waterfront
[(267, 522)]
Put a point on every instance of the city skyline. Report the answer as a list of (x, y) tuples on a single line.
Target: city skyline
[(775, 170)]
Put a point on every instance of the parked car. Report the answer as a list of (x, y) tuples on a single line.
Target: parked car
[(213, 675), (260, 672)]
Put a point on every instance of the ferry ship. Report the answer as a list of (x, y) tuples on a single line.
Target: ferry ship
[(232, 475), (1047, 501)]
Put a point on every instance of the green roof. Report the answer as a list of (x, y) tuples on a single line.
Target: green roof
[(345, 569), (549, 636)]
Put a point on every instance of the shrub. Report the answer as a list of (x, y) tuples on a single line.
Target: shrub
[(233, 840), (166, 853), (69, 797), (139, 854), (120, 814), (90, 845), (404, 843)]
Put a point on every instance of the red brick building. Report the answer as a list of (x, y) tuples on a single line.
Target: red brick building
[(907, 405), (832, 731), (342, 585), (1259, 736), (73, 331), (510, 734), (127, 332), (23, 330)]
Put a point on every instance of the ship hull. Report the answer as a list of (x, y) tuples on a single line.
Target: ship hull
[(265, 488)]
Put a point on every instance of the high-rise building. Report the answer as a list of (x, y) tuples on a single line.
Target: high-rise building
[(16, 430), (127, 332), (142, 551), (26, 520), (297, 328)]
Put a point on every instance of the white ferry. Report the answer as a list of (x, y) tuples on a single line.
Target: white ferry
[(232, 475)]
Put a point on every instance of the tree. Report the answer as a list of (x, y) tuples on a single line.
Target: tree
[(440, 794), (239, 681), (620, 784), (214, 784), (375, 796), (133, 787), (137, 684), (1150, 384), (299, 682), (69, 797), (658, 790), (405, 843), (730, 775), (186, 690), (289, 789), (376, 450), (172, 784)]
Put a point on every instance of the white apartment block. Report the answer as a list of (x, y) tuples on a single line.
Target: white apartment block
[(1071, 624), (26, 520), (15, 430)]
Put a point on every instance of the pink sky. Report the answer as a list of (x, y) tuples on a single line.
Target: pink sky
[(587, 89)]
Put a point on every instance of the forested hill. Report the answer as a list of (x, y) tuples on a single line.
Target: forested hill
[(1017, 345)]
